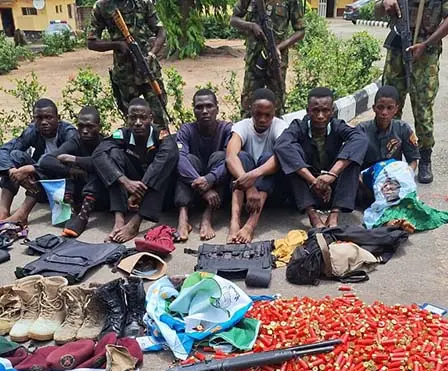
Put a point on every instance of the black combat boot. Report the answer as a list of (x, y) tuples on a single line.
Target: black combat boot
[(424, 166), (135, 299), (111, 295)]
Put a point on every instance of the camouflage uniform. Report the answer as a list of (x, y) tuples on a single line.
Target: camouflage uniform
[(425, 71), (141, 18), (281, 13)]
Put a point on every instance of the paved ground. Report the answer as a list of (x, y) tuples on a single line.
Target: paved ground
[(418, 273)]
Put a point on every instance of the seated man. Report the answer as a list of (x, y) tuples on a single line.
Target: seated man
[(251, 162), (389, 138), (201, 169), (73, 161), (322, 156), (18, 168), (135, 164)]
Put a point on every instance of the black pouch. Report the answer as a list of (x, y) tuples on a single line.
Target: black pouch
[(42, 244)]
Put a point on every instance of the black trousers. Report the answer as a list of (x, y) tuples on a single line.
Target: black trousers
[(151, 205), (184, 195), (92, 187), (263, 184), (343, 195)]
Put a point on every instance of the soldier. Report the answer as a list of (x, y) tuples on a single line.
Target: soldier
[(428, 31), (281, 13), (127, 82)]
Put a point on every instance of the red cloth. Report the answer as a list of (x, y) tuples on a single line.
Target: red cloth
[(133, 347), (99, 357), (158, 240), (18, 356), (36, 360)]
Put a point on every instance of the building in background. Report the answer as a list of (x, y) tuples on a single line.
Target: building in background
[(329, 8), (34, 16)]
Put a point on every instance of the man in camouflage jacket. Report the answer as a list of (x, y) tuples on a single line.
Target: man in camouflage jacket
[(143, 23), (282, 13), (425, 69)]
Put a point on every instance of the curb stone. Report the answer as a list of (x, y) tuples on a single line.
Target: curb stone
[(348, 107), (371, 23)]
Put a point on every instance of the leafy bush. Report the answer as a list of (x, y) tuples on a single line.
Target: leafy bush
[(11, 55), (367, 12), (28, 90), (218, 27), (324, 60), (56, 44), (87, 88)]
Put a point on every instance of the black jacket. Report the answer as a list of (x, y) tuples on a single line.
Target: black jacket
[(296, 150), (31, 137), (161, 153)]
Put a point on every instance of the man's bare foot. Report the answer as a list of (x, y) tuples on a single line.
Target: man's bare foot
[(184, 230), (245, 234), (207, 232), (129, 230), (233, 231), (333, 218), (119, 223), (315, 220), (4, 214), (183, 227), (17, 217)]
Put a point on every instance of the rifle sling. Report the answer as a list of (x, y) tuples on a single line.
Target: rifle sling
[(418, 21)]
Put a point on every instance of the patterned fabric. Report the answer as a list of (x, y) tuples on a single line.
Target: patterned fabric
[(433, 14), (282, 14), (423, 90)]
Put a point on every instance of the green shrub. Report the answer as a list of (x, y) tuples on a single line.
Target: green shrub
[(11, 55), (367, 12), (218, 27), (87, 88), (324, 60), (28, 90), (53, 44)]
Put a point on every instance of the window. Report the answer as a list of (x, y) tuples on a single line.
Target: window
[(57, 8), (69, 10), (60, 8), (29, 11)]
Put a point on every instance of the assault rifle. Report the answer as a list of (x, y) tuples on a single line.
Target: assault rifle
[(269, 58), (259, 359), (139, 59), (402, 29)]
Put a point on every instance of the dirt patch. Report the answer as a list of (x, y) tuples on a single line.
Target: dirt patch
[(219, 58)]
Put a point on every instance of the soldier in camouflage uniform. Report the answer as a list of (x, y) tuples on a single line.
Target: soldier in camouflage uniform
[(141, 18), (282, 13), (425, 70)]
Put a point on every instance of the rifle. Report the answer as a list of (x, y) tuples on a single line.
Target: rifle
[(139, 59), (402, 29), (269, 56), (259, 359)]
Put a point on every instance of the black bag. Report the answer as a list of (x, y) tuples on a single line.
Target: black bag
[(305, 266), (72, 259)]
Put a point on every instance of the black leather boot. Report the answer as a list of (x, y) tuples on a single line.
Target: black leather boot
[(424, 166), (111, 295), (135, 299)]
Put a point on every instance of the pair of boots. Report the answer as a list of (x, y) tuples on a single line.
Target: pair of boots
[(42, 308), (424, 166), (124, 305), (84, 314)]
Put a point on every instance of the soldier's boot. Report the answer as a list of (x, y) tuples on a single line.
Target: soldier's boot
[(135, 299), (29, 292), (111, 296), (74, 301), (93, 313), (10, 309), (424, 166), (52, 309)]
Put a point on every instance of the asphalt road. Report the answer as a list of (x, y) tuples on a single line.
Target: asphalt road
[(417, 273)]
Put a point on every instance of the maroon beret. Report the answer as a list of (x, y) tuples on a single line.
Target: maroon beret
[(70, 355)]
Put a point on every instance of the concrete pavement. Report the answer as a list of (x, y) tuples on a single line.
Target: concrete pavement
[(417, 273)]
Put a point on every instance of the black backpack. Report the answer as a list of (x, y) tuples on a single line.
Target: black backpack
[(71, 258), (305, 265)]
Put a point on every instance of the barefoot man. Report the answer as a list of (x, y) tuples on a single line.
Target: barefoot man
[(135, 164), (322, 156), (19, 169), (251, 162), (202, 172)]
